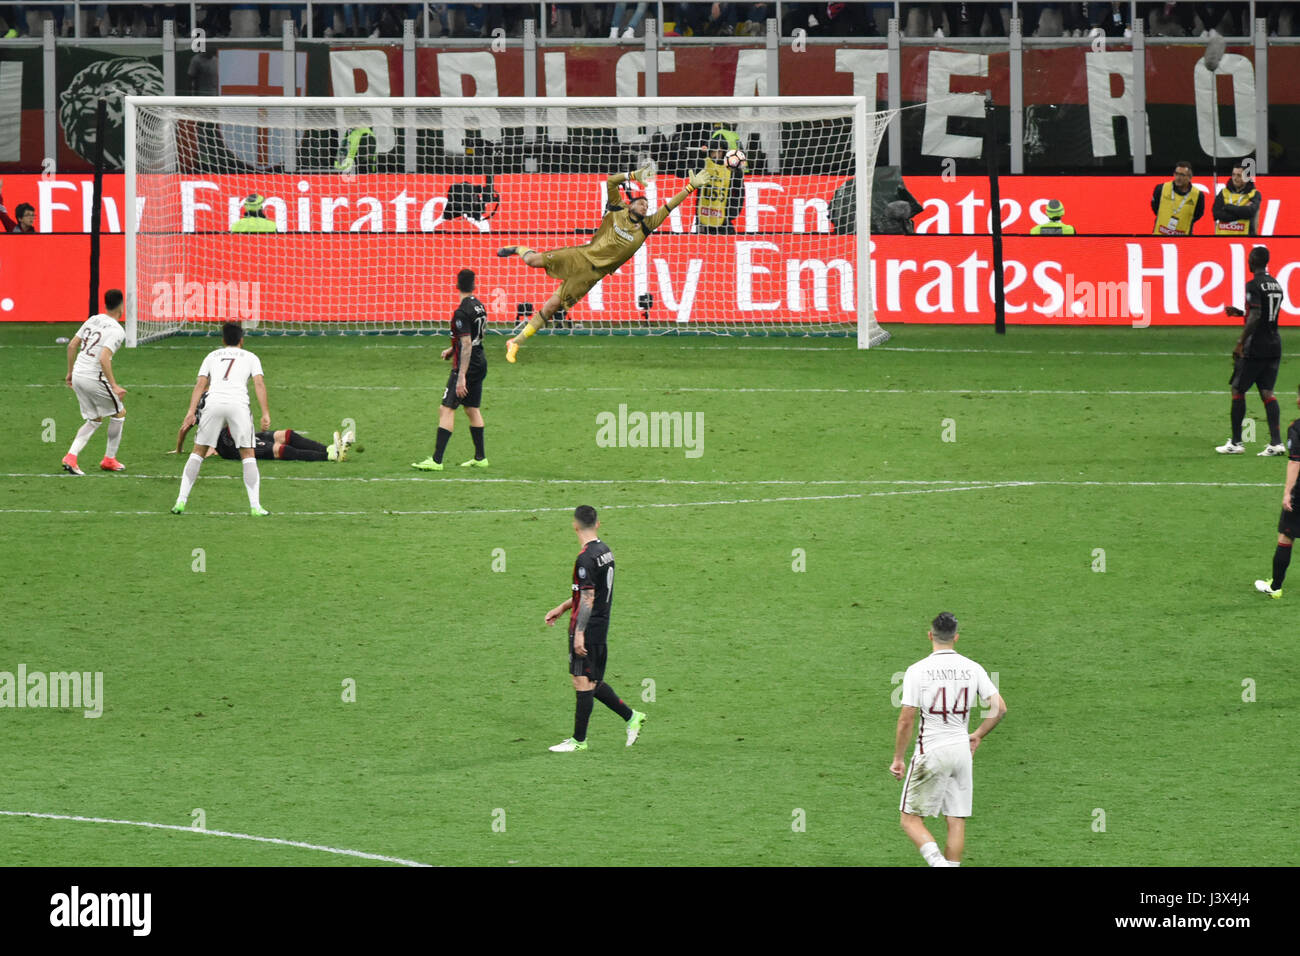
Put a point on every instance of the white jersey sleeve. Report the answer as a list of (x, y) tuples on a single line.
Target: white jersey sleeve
[(97, 333)]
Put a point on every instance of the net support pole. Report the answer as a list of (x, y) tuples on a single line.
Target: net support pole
[(995, 216), (1261, 97), (863, 220), (96, 204), (410, 155), (128, 223)]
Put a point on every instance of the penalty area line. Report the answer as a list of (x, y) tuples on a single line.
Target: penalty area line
[(338, 851)]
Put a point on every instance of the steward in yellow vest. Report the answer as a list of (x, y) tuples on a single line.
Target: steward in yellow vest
[(1236, 208), (719, 198), (253, 220), (1053, 227), (1177, 204)]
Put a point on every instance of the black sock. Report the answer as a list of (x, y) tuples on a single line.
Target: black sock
[(295, 453), (582, 714), (1238, 414), (477, 435), (1281, 559), (301, 441), (605, 694), (1274, 412), (444, 435)]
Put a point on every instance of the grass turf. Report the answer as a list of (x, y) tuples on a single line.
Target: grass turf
[(771, 687)]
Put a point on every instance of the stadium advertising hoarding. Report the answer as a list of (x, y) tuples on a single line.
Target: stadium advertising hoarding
[(1097, 205), (1077, 99), (1081, 281)]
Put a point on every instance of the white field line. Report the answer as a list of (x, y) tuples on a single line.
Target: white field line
[(637, 506), (849, 347), (738, 390), (215, 833), (715, 482)]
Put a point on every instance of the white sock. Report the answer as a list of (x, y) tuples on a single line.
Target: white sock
[(954, 862), (83, 436), (114, 436), (932, 855), (252, 481), (189, 476)]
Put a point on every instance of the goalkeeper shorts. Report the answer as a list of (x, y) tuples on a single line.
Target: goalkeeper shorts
[(575, 271)]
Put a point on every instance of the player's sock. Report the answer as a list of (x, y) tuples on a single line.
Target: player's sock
[(441, 445), (296, 453), (1281, 561), (582, 714), (954, 862), (1274, 412), (252, 481), (930, 852), (605, 694), (83, 436), (293, 439), (189, 476), (114, 436), (1238, 415), (535, 322), (477, 435)]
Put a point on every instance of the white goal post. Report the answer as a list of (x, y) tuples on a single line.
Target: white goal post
[(309, 215)]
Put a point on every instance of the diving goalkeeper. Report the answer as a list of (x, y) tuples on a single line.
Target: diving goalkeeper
[(623, 229)]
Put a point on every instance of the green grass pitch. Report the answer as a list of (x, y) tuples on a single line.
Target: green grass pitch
[(771, 686)]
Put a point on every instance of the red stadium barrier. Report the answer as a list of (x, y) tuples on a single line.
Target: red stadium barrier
[(939, 279)]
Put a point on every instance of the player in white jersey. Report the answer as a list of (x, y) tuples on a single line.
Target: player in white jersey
[(224, 376), (943, 688), (90, 376)]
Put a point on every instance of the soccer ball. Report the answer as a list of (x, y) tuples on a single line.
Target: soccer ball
[(735, 158)]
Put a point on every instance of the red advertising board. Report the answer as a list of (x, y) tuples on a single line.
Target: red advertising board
[(1098, 205), (940, 279)]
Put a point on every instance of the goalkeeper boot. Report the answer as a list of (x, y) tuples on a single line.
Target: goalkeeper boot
[(475, 463), (568, 746), (1266, 587), (178, 508), (512, 350), (427, 465), (70, 463), (112, 464), (1272, 450), (634, 727), (1231, 447)]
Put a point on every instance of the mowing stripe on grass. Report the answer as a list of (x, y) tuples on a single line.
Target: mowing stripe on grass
[(216, 833)]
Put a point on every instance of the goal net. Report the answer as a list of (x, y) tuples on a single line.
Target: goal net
[(317, 215)]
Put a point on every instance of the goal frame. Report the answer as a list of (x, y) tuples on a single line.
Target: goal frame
[(858, 104)]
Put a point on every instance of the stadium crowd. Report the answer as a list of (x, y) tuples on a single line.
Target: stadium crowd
[(626, 20)]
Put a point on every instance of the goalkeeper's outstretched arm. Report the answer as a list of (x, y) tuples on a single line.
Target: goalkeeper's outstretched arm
[(614, 180), (696, 180)]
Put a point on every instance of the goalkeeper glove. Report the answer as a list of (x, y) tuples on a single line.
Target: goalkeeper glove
[(644, 174), (698, 179)]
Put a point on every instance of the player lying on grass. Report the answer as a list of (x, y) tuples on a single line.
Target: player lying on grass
[(625, 226), (1288, 526), (285, 443)]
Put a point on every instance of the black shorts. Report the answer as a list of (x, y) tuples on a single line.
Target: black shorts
[(1252, 372), (592, 666), (473, 381), (1289, 523)]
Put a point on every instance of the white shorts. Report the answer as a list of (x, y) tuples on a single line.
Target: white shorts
[(95, 396), (938, 782), (238, 418)]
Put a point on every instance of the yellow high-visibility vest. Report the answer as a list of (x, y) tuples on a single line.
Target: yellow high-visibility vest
[(1238, 227), (1174, 214)]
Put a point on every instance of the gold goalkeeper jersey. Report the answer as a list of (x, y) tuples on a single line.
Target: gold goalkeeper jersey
[(619, 236)]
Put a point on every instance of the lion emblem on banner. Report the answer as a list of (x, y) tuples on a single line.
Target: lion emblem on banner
[(109, 80)]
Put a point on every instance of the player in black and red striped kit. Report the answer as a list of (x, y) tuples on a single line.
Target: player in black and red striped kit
[(1288, 526), (593, 595), (465, 383), (1257, 355)]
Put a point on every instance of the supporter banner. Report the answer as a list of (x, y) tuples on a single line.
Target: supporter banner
[(571, 205), (937, 279), (1077, 98)]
